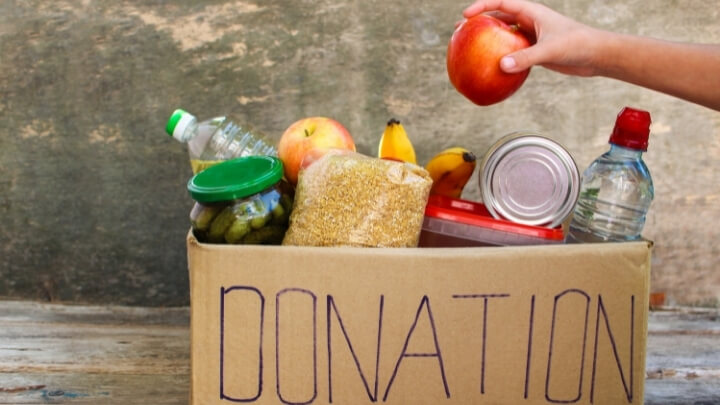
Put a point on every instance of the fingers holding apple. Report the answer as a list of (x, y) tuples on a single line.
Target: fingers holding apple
[(312, 137), (473, 59)]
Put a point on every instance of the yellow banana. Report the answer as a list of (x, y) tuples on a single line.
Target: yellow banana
[(395, 144), (450, 170)]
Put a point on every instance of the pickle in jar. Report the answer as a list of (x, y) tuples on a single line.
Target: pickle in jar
[(235, 200), (221, 223), (267, 235), (280, 215), (202, 215), (259, 214), (237, 231)]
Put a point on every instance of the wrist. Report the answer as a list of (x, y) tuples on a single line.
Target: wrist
[(608, 50)]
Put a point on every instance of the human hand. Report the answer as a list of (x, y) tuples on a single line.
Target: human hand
[(560, 43)]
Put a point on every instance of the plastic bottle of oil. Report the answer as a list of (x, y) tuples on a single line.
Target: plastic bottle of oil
[(217, 139)]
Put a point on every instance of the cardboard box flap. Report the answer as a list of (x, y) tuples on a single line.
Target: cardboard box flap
[(531, 324)]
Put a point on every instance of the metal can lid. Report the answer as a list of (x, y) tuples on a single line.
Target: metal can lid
[(529, 179)]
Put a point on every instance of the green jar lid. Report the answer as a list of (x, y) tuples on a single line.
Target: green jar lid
[(236, 178)]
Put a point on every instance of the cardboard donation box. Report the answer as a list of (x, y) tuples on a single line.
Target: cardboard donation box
[(487, 325)]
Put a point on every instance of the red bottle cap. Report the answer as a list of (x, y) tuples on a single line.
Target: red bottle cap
[(632, 129)]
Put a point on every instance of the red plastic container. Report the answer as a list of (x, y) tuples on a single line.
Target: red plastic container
[(451, 222)]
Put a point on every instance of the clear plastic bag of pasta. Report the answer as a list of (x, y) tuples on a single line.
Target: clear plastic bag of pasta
[(349, 199)]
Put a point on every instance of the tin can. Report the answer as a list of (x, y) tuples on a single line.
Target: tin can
[(529, 179)]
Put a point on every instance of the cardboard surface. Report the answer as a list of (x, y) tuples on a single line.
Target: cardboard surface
[(496, 325)]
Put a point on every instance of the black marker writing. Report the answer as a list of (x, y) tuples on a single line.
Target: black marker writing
[(485, 298), (582, 354), (331, 307), (277, 343), (601, 308), (425, 303), (223, 293)]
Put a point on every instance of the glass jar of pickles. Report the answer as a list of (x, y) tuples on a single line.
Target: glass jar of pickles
[(241, 201)]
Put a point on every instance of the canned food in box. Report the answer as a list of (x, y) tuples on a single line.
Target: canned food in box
[(529, 179)]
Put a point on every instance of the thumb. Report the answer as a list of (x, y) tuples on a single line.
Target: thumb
[(521, 60)]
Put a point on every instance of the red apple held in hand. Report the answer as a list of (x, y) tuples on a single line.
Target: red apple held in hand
[(310, 136), (473, 59)]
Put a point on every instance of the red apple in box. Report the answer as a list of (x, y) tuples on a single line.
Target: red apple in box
[(311, 136), (473, 59)]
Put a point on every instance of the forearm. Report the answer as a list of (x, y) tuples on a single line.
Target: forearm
[(687, 71)]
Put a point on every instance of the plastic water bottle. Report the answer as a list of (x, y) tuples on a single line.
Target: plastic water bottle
[(616, 189), (215, 140)]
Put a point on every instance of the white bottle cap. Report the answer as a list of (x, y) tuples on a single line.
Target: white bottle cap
[(178, 123)]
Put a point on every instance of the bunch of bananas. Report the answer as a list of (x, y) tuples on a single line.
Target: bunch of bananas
[(450, 169)]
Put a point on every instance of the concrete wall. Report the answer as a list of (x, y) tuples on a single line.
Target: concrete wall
[(92, 193)]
